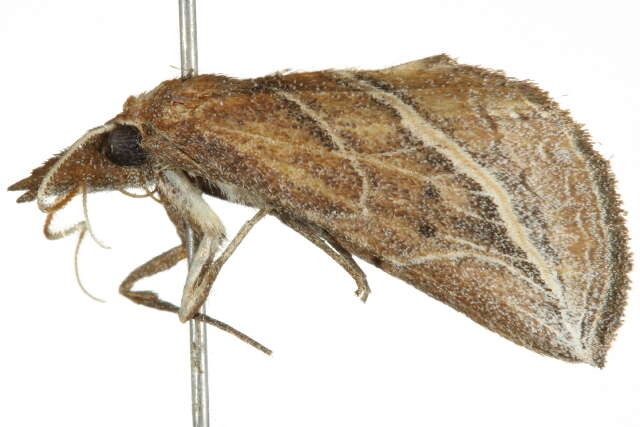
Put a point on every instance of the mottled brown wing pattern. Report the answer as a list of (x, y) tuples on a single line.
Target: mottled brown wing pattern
[(475, 188)]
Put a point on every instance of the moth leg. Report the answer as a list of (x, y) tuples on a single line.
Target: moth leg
[(327, 243), (198, 278), (155, 265), (162, 263), (358, 275), (194, 297), (187, 209)]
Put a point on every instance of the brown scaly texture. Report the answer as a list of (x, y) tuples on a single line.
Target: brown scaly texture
[(473, 187)]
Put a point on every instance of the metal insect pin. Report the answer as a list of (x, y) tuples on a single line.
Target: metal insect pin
[(471, 186)]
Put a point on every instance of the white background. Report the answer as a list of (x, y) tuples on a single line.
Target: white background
[(402, 359)]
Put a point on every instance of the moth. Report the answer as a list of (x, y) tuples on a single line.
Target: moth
[(473, 187)]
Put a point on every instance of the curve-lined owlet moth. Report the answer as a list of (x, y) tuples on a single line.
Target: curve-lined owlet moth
[(473, 187)]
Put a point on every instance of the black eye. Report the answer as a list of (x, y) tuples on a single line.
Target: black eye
[(123, 146)]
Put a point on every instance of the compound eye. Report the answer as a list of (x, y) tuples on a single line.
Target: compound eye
[(123, 146)]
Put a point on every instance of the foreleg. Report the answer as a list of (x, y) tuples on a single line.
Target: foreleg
[(161, 263)]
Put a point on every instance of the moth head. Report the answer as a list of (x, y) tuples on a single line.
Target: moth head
[(109, 157)]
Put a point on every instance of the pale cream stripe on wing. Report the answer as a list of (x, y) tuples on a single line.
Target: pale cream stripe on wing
[(453, 256), (598, 220), (462, 161), (337, 140), (433, 137), (292, 171)]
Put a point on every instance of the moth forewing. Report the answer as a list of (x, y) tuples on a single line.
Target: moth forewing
[(473, 187)]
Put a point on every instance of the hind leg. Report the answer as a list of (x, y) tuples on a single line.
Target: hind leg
[(324, 241)]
